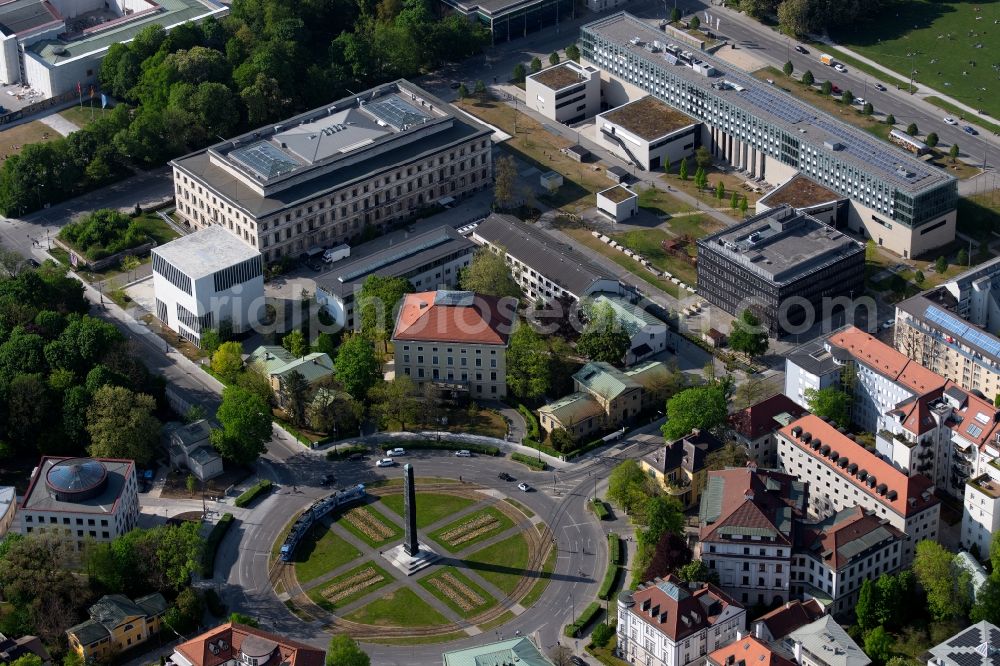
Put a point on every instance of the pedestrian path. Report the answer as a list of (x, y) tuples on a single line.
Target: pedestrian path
[(59, 124)]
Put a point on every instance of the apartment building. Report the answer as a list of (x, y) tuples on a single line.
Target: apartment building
[(754, 427), (456, 339), (981, 508), (544, 268), (328, 176), (772, 627), (785, 266), (747, 523), (648, 133), (843, 474), (824, 642), (747, 651), (666, 622), (566, 93), (902, 203)]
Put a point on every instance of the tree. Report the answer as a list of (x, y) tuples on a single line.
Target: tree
[(333, 411), (671, 553), (919, 278), (527, 364), (730, 455), (865, 609), (121, 425), (878, 645), (246, 426), (604, 338), (489, 274), (240, 618), (395, 402), (184, 616), (480, 90), (734, 201), (504, 182), (296, 343), (743, 205), (831, 403), (794, 17), (561, 440), (695, 22), (129, 263), (748, 336), (191, 483), (700, 179), (379, 298), (963, 257), (519, 73), (808, 78), (953, 152), (847, 97), (890, 120), (675, 15), (463, 92), (826, 88), (935, 571), (683, 171), (895, 604), (227, 361), (628, 486), (560, 655), (573, 53), (720, 191), (867, 109), (703, 157), (788, 68), (358, 368), (701, 407), (987, 604), (553, 58), (931, 140), (210, 340), (344, 651), (600, 636), (941, 265), (911, 129), (295, 391)]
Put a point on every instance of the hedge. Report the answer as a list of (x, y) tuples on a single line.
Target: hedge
[(345, 451), (600, 508), (534, 429), (589, 446), (614, 548), (608, 584), (533, 463), (212, 545), (422, 444), (262, 487), (586, 617), (544, 448)]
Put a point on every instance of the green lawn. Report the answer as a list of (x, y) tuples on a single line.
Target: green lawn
[(937, 31), (487, 600), (400, 608), (431, 507), (536, 591), (397, 531), (316, 593), (83, 116), (647, 243), (503, 523), (503, 563), (658, 201), (321, 551), (419, 640), (155, 227), (503, 618), (979, 215)]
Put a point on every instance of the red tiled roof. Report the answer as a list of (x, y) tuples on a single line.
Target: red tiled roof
[(793, 615), (887, 361), (905, 486), (826, 540), (748, 651), (293, 653), (488, 320), (758, 420), (748, 502), (685, 611), (916, 414), (974, 405)]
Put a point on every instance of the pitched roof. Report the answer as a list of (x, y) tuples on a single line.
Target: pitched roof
[(604, 380), (270, 357), (312, 367), (455, 316), (886, 361), (688, 452), (199, 650), (753, 502), (572, 408), (631, 317), (89, 632), (112, 610), (871, 475), (520, 651), (679, 609), (977, 417), (827, 638), (747, 651), (840, 538), (972, 646), (766, 416), (647, 373), (785, 619), (152, 604)]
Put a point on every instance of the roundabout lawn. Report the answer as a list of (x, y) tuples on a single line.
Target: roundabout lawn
[(460, 594), (320, 552), (431, 507), (370, 526), (350, 585), (400, 608), (503, 563), (471, 529)]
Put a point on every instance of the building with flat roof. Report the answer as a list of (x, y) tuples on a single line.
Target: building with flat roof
[(904, 204), (519, 650), (208, 280), (55, 45), (972, 646), (773, 262), (232, 643), (566, 93), (545, 268), (81, 499), (647, 132), (806, 195), (618, 203), (429, 260), (324, 177), (456, 339)]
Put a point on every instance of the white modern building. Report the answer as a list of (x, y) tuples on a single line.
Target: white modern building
[(566, 93), (208, 280), (667, 622), (648, 133), (647, 334), (55, 45), (81, 499), (618, 203), (981, 509)]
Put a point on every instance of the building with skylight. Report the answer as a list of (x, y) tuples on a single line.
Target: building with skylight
[(328, 176)]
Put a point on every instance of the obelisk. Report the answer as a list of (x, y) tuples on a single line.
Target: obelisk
[(410, 545)]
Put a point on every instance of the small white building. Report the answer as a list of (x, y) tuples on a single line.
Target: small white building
[(618, 203), (8, 509), (647, 334), (205, 279), (648, 133), (190, 447), (551, 180), (566, 93)]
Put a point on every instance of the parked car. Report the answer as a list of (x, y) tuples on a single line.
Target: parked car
[(950, 120), (34, 262), (801, 49), (464, 453), (575, 660), (356, 456), (887, 324), (524, 487), (395, 452), (315, 265), (835, 89), (385, 462), (880, 87), (970, 130), (860, 101), (504, 476), (840, 68)]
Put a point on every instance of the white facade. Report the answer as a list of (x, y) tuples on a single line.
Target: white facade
[(800, 378), (8, 509), (206, 279), (565, 93), (751, 570), (648, 132), (619, 203), (981, 509)]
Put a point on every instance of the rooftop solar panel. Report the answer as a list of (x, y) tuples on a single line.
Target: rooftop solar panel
[(396, 112), (264, 159), (960, 329)]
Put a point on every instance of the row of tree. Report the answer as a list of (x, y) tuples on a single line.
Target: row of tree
[(799, 17)]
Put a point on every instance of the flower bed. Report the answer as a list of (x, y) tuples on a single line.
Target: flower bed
[(367, 524), (352, 585), (470, 529), (461, 594)]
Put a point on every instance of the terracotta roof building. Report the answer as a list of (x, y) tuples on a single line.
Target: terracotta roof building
[(754, 427), (670, 623), (746, 533), (455, 339), (783, 620), (238, 643), (748, 651)]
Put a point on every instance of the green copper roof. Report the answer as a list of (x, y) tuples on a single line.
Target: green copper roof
[(572, 408), (605, 380), (520, 651), (632, 318), (711, 500)]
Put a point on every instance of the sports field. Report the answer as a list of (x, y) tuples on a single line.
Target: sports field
[(946, 38)]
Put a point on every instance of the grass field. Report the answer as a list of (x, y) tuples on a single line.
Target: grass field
[(979, 215), (320, 552), (943, 32), (502, 523), (536, 591), (13, 140), (397, 531), (316, 594), (488, 600), (431, 507), (83, 116), (400, 608), (647, 243), (502, 563), (419, 640)]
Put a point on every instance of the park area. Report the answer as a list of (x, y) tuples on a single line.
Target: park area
[(105, 232), (14, 139), (954, 45)]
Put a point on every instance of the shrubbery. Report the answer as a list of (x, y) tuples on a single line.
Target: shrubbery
[(103, 233), (212, 545), (260, 488), (533, 463), (342, 452), (600, 509), (431, 444), (586, 617)]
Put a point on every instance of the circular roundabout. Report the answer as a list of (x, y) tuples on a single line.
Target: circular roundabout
[(493, 558)]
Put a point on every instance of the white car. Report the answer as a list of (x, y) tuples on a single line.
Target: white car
[(464, 453), (860, 101), (395, 452), (950, 120), (385, 462), (523, 487), (840, 68)]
